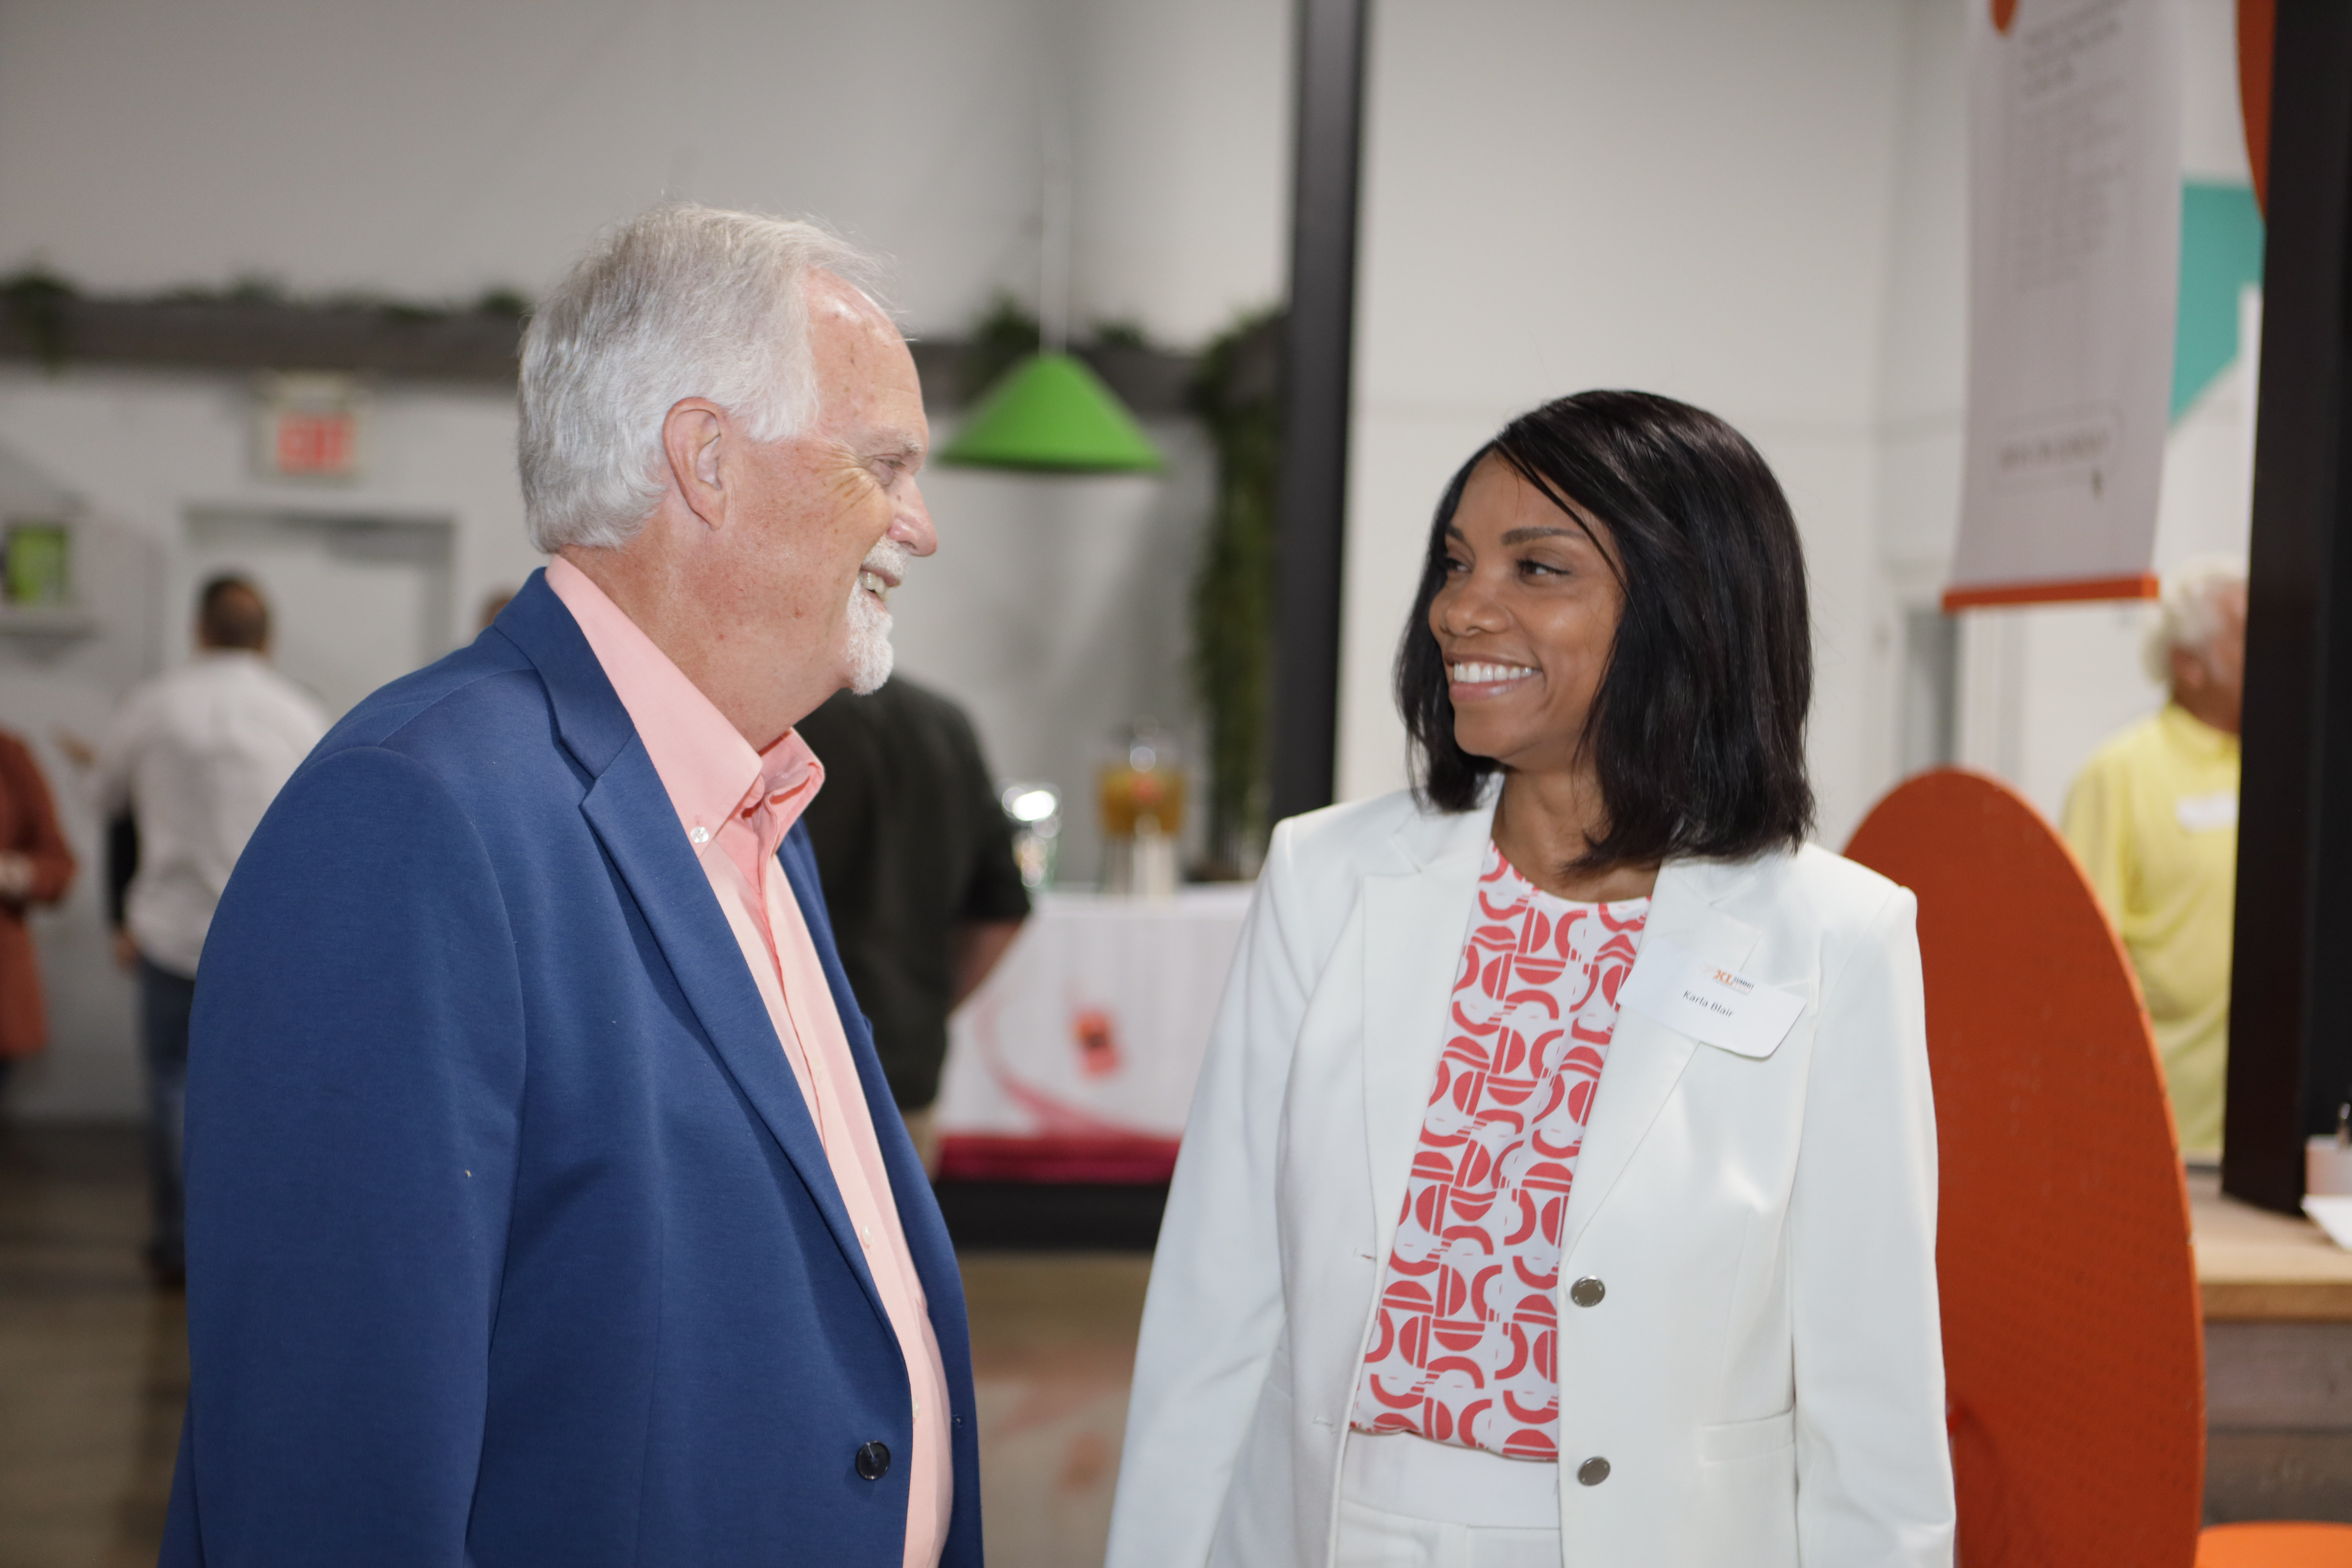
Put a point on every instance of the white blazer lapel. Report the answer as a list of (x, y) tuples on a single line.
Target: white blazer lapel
[(1414, 926), (1646, 1058)]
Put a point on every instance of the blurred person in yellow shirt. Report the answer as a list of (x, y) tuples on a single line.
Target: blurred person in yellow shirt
[(2154, 817)]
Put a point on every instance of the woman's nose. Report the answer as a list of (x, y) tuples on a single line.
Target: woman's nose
[(1470, 609)]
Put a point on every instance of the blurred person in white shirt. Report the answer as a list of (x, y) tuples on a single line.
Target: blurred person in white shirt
[(196, 756)]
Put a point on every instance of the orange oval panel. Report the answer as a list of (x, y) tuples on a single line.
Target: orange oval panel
[(2072, 1343), (2257, 36)]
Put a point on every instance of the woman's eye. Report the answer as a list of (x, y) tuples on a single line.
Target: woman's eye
[(1542, 569)]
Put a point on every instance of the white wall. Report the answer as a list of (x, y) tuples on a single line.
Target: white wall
[(1757, 206), (1182, 160), (1687, 196), (430, 150), (1761, 209), (1055, 610), (434, 148), (143, 451)]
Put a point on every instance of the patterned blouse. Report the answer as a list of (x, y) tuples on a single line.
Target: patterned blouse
[(1463, 1350)]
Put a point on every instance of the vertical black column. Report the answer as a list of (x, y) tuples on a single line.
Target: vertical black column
[(2291, 988), (1311, 501)]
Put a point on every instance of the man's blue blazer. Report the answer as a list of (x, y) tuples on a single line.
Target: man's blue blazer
[(510, 1241)]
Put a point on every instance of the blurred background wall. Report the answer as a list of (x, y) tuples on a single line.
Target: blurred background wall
[(431, 152), (1760, 207)]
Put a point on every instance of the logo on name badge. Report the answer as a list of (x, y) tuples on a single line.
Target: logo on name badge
[(1714, 1006)]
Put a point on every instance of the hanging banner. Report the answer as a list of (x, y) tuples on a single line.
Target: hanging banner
[(2074, 264)]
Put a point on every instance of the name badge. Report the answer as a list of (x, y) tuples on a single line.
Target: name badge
[(2206, 813), (1711, 1005)]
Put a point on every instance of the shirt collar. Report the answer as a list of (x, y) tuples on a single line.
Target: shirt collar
[(710, 772), (2193, 734)]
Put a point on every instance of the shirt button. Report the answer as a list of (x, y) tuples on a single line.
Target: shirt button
[(1587, 1292), (698, 833), (865, 1235), (1593, 1472)]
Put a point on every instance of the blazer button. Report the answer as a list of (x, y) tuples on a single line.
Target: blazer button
[(1593, 1472), (1587, 1292), (874, 1462)]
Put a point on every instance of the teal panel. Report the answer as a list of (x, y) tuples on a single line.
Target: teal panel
[(2220, 251)]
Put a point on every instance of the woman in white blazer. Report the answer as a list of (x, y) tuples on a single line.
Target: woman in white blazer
[(1561, 1185)]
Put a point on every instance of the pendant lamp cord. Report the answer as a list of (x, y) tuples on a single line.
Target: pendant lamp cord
[(1055, 240)]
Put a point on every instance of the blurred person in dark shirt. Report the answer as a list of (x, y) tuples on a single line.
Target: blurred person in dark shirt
[(916, 856)]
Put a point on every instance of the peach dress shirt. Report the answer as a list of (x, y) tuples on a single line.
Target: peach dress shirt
[(735, 805)]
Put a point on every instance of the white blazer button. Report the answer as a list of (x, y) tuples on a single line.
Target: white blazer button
[(1587, 1292), (1593, 1472)]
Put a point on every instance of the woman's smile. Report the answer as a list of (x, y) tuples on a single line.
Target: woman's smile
[(1477, 682)]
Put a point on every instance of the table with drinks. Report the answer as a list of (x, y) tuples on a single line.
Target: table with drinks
[(1075, 1060)]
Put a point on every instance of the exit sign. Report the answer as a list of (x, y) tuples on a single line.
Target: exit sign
[(309, 427), (323, 446)]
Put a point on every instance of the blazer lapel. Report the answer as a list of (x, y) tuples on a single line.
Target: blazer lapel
[(1646, 1058), (630, 812), (1414, 926), (633, 819)]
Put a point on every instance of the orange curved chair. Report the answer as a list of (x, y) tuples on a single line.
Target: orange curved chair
[(2074, 1345), (2276, 1546)]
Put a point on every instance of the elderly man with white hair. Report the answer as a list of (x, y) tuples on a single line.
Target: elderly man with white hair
[(546, 1201), (2154, 817)]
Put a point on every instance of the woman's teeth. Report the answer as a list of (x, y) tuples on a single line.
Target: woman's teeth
[(1486, 674), (875, 584)]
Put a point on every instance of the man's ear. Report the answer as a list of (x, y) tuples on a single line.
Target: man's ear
[(693, 432)]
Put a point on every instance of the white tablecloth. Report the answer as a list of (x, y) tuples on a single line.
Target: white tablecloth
[(1077, 1059)]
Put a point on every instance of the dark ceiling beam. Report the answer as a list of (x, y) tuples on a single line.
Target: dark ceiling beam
[(2290, 1010), (1311, 504), (464, 347), (232, 335)]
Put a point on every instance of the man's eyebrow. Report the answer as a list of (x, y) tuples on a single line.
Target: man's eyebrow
[(896, 443)]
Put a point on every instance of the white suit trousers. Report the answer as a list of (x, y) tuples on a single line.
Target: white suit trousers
[(1407, 1503)]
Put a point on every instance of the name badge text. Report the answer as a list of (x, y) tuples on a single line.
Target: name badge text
[(1707, 1002)]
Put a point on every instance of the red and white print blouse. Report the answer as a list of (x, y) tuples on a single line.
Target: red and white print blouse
[(1463, 1350)]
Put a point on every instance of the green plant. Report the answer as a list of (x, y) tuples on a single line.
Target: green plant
[(503, 301), (36, 297), (1122, 332), (255, 289), (1005, 334), (1237, 394)]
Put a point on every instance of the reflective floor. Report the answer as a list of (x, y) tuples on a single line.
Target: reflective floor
[(93, 1371)]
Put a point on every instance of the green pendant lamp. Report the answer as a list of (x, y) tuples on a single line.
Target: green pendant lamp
[(1050, 414)]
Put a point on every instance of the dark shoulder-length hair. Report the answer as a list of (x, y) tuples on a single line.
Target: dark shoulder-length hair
[(1697, 731)]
